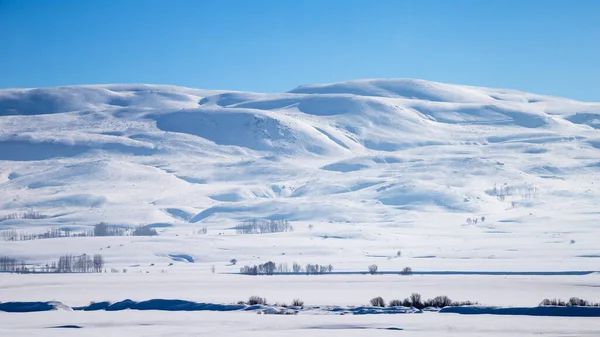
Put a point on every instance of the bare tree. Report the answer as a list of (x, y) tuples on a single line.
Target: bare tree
[(415, 299), (98, 263)]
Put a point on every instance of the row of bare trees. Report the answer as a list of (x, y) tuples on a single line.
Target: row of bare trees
[(255, 226), (65, 264), (11, 265), (104, 229), (14, 235), (101, 229), (270, 268), (80, 264), (416, 301)]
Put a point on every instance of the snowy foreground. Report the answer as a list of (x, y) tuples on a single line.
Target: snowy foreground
[(497, 185), (136, 323)]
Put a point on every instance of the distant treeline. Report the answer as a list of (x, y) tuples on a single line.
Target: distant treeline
[(270, 268), (65, 264), (24, 215), (255, 226), (101, 229)]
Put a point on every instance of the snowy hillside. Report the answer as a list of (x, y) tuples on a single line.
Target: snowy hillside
[(407, 159)]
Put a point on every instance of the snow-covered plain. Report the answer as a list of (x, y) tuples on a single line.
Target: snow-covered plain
[(375, 166)]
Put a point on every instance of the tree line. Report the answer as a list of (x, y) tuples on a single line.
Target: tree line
[(270, 268), (65, 264), (101, 229), (255, 226)]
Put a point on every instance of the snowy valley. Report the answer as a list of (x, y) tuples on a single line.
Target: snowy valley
[(489, 195)]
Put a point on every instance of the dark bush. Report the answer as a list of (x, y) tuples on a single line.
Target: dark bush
[(373, 269), (406, 271), (255, 300), (377, 302), (395, 303), (297, 303)]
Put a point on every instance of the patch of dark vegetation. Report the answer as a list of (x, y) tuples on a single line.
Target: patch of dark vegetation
[(68, 326), (572, 302), (415, 301), (406, 271), (256, 300), (297, 303)]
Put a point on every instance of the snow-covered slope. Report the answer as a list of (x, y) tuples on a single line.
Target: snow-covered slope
[(393, 153)]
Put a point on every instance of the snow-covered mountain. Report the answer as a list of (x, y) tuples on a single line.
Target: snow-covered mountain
[(382, 150)]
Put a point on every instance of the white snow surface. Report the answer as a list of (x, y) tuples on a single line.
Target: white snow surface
[(375, 166)]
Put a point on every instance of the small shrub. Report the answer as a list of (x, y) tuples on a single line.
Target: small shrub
[(395, 303), (373, 269), (256, 300), (233, 261), (406, 271), (377, 302), (297, 303)]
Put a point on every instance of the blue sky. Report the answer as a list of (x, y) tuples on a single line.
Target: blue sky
[(550, 47)]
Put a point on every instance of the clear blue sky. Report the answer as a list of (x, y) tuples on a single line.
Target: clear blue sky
[(542, 46)]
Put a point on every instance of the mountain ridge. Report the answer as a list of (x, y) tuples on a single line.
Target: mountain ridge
[(387, 149)]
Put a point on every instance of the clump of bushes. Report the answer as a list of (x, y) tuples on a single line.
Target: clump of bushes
[(297, 303), (406, 271), (416, 301), (572, 302), (256, 300)]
